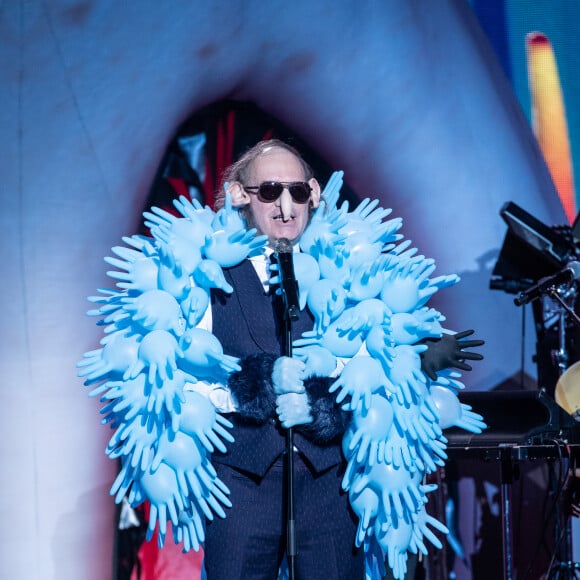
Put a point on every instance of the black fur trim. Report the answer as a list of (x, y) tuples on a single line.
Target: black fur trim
[(252, 388), (329, 420)]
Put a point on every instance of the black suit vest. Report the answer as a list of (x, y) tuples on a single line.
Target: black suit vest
[(246, 323)]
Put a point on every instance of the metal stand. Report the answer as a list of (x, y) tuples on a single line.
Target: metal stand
[(290, 312), (564, 567), (509, 473), (291, 549)]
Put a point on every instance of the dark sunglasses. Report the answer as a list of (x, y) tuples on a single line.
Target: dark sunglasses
[(270, 191)]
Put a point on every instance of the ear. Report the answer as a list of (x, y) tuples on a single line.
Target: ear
[(315, 193), (240, 196)]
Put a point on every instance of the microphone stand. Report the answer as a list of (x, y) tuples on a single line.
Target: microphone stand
[(291, 550), (289, 289)]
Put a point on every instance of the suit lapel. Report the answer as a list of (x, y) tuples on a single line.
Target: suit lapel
[(255, 306)]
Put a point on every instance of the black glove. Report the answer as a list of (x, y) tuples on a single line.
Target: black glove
[(447, 351)]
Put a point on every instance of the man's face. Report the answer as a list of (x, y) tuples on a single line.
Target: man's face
[(283, 218)]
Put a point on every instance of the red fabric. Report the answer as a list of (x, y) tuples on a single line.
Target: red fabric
[(180, 186), (224, 155), (167, 563)]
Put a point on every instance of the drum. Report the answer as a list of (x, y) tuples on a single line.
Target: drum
[(567, 393)]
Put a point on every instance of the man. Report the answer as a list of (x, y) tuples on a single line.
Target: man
[(270, 395), (381, 342)]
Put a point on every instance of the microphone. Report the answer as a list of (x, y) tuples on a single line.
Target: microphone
[(288, 284), (509, 286), (568, 274)]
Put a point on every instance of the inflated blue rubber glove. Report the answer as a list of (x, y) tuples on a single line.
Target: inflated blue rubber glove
[(361, 377), (189, 530), (367, 219), (418, 420), (201, 349), (371, 430), (127, 399), (326, 300), (381, 346), (213, 496), (361, 250), (166, 398), (179, 240), (162, 490), (174, 281), (353, 467), (338, 342), (120, 352), (199, 418), (409, 328), (400, 451), (196, 477), (407, 285), (331, 191), (399, 489), (364, 315), (228, 218), (194, 305), (326, 219), (405, 372), (293, 409), (142, 243), (230, 248), (154, 310), (140, 271), (332, 260), (450, 379), (159, 403), (192, 228), (111, 302), (453, 413), (209, 274), (366, 280), (125, 481), (288, 375), (367, 234), (193, 209), (365, 505), (421, 530), (395, 543), (136, 442), (319, 361), (158, 352)]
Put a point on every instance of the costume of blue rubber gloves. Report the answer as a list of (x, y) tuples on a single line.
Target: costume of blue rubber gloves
[(367, 289), (153, 352), (371, 313)]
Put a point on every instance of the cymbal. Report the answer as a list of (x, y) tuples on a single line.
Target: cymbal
[(567, 393)]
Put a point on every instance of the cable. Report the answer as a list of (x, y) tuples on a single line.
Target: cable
[(549, 513), (560, 534)]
